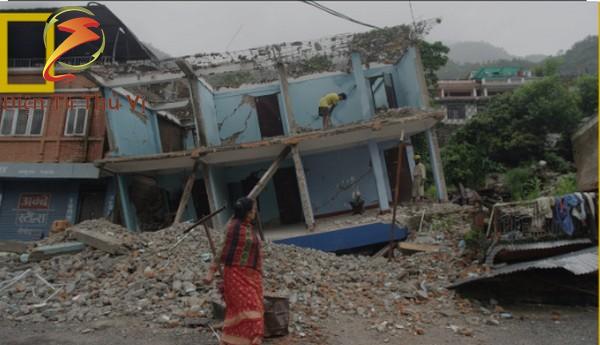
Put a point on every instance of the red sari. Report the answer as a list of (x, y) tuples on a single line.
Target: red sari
[(243, 290)]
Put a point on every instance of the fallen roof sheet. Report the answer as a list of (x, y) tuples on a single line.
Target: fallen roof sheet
[(580, 262), (504, 251)]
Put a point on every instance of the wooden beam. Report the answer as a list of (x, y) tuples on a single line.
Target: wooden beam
[(309, 217), (187, 192), (264, 179), (396, 192), (286, 97)]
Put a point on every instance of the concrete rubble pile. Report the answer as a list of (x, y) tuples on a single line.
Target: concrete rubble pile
[(165, 287)]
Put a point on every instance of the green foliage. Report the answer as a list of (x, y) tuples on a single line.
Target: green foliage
[(523, 184), (582, 58), (475, 240), (551, 66), (466, 163), (434, 56), (430, 192), (315, 64), (556, 162), (511, 131), (566, 184), (587, 87)]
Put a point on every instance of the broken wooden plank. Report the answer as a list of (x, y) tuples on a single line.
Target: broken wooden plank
[(46, 252), (13, 247), (264, 179), (99, 241), (309, 217), (187, 192), (412, 247)]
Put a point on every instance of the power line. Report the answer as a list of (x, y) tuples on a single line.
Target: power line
[(234, 36), (338, 14)]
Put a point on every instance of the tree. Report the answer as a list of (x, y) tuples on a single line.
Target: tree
[(434, 56), (512, 131), (587, 87), (551, 66)]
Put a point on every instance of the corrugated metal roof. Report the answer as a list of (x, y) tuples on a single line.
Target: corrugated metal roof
[(504, 251), (580, 262)]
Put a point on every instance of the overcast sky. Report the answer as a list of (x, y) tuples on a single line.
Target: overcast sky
[(181, 28)]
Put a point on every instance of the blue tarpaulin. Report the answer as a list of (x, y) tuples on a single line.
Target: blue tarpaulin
[(349, 238)]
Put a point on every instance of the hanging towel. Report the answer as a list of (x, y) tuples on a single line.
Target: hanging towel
[(579, 210), (563, 213)]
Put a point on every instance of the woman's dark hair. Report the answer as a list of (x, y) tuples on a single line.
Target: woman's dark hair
[(241, 207), (342, 95)]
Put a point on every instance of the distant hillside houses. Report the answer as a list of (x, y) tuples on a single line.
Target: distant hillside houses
[(462, 99)]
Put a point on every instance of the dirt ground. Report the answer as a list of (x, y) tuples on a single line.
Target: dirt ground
[(530, 325)]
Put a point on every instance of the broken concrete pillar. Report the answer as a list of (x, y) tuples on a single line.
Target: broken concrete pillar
[(362, 89), (99, 241), (46, 252), (380, 180), (126, 206), (309, 217), (194, 93), (283, 81), (436, 165)]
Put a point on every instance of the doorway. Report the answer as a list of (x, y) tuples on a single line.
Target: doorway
[(269, 116), (288, 196), (91, 202)]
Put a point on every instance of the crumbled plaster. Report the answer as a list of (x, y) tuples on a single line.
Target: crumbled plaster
[(233, 137), (343, 186), (385, 45), (246, 100)]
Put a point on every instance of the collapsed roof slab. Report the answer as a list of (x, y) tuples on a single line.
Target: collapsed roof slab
[(161, 161), (386, 126)]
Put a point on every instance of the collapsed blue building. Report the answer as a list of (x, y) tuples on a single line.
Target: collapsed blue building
[(233, 114)]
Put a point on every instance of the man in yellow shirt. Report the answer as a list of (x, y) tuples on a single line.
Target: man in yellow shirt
[(326, 105)]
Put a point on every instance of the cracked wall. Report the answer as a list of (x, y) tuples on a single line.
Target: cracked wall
[(333, 176)]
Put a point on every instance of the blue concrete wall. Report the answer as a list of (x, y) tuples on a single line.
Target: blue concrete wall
[(233, 115), (209, 114), (217, 179), (333, 176), (406, 82), (189, 142), (305, 96), (133, 134), (237, 119)]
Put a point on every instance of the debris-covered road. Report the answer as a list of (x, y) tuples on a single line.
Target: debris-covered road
[(147, 294), (532, 325)]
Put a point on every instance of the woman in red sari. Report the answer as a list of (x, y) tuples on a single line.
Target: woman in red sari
[(241, 256)]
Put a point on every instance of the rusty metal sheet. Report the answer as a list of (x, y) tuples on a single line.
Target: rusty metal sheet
[(580, 262)]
